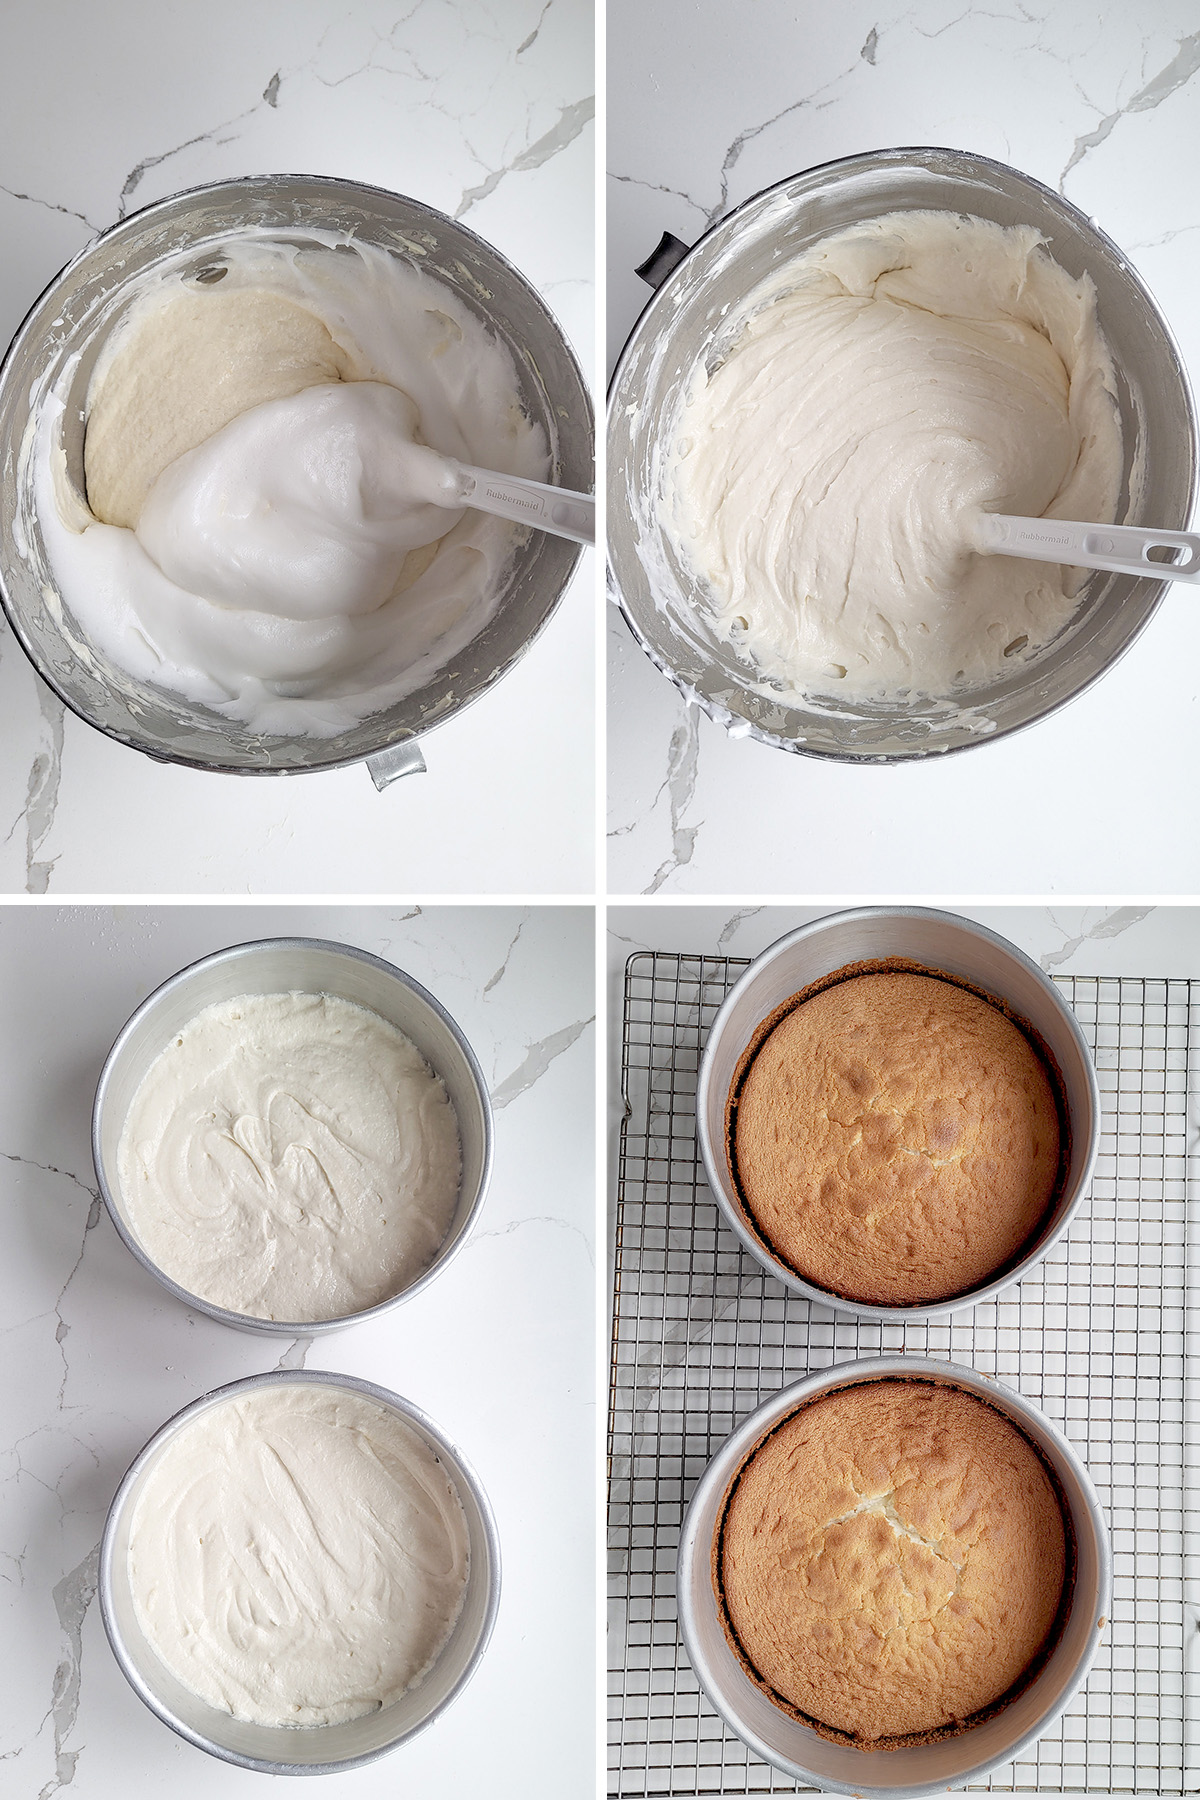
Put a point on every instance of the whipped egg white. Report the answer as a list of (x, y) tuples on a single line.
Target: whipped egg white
[(245, 537)]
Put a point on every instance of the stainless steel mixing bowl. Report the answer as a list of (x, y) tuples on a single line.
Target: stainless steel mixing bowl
[(658, 596), (72, 320), (918, 1769), (313, 1749), (307, 966), (936, 940)]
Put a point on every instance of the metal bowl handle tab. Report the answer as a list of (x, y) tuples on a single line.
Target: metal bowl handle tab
[(666, 257), (404, 758)]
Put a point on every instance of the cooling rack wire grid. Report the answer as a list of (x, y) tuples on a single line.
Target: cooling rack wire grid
[(1097, 1337)]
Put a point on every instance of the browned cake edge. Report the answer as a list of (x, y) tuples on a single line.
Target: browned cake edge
[(957, 1726), (896, 965)]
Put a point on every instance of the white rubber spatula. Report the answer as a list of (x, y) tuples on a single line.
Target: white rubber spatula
[(558, 510), (1126, 549)]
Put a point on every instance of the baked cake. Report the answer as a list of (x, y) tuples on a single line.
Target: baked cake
[(891, 1562), (895, 1138)]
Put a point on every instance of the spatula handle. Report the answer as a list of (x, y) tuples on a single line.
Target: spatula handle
[(559, 510), (1127, 549)]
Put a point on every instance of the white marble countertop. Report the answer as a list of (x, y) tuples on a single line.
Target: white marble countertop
[(1097, 101), (498, 1350), (484, 113)]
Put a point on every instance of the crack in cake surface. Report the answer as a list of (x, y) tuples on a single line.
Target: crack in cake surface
[(892, 1562)]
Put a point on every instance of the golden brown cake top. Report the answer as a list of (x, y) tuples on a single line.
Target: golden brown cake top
[(891, 1561), (896, 1139)]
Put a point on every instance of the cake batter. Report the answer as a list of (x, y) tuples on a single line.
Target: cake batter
[(867, 402), (298, 1556), (290, 1156)]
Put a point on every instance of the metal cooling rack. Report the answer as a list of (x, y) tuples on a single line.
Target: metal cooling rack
[(1098, 1337)]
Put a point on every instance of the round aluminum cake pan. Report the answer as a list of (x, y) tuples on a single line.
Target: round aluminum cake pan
[(910, 1770), (312, 1749), (710, 281), (59, 342), (938, 941), (311, 966)]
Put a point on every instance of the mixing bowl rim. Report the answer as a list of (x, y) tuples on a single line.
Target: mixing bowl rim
[(1081, 1167), (856, 1372), (249, 1322), (461, 1470), (735, 723), (188, 759)]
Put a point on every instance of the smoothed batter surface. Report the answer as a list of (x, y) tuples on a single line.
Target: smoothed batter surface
[(896, 1139), (290, 1156), (298, 1556), (891, 1561), (869, 399)]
